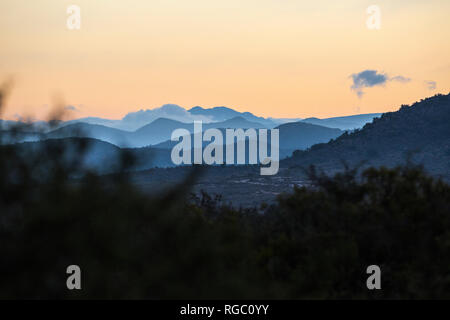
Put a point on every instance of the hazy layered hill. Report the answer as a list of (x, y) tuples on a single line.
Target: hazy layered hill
[(420, 133), (299, 135), (98, 156), (103, 157), (293, 136), (161, 130), (344, 123), (95, 131), (235, 123), (155, 132)]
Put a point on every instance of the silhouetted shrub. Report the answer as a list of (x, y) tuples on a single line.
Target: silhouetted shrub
[(315, 243)]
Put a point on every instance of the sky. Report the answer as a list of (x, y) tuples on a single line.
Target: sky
[(273, 58)]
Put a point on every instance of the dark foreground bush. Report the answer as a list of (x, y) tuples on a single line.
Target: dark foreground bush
[(315, 243)]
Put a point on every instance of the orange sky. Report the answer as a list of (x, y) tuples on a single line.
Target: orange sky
[(274, 58)]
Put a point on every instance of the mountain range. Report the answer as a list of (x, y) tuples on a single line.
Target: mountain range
[(153, 127), (155, 132), (135, 120), (418, 134), (293, 136)]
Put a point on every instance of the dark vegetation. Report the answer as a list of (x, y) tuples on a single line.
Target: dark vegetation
[(314, 243)]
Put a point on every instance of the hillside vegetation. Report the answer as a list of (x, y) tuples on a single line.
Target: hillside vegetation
[(419, 133)]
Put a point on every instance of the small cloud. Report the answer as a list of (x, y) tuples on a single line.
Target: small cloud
[(71, 108), (372, 78), (367, 79), (401, 79), (431, 85)]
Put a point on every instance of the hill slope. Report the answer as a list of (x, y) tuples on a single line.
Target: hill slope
[(299, 135), (85, 130), (344, 123), (293, 136), (92, 154), (420, 132)]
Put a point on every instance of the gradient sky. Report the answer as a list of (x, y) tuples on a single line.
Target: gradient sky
[(286, 58)]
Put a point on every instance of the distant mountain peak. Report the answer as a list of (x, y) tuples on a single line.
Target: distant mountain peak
[(169, 107), (222, 113), (217, 108)]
